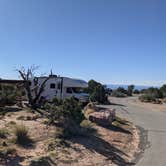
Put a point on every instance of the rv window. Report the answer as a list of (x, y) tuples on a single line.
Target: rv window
[(69, 90), (52, 86)]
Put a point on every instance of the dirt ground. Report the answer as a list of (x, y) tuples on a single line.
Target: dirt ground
[(113, 145)]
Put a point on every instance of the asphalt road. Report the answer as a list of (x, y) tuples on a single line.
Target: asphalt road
[(152, 120)]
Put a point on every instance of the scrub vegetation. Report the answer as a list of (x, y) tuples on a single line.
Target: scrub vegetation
[(154, 95)]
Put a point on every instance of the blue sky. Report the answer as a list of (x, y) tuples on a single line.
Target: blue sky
[(112, 41)]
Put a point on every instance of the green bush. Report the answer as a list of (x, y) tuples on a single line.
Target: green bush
[(69, 108), (8, 95), (151, 95), (130, 90), (163, 91), (22, 135), (154, 92), (136, 91), (147, 98), (56, 101), (97, 92), (72, 109), (116, 93)]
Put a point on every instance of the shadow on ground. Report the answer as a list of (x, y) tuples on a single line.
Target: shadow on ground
[(117, 129), (11, 160), (116, 104), (100, 146)]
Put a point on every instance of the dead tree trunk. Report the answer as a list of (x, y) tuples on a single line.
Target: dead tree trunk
[(27, 76)]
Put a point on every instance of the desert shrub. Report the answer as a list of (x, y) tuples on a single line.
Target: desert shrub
[(68, 115), (56, 113), (8, 95), (22, 135), (56, 101), (163, 91), (99, 95), (130, 90), (136, 91), (147, 98), (116, 93), (97, 92), (72, 109), (122, 90), (151, 95), (3, 133), (154, 92)]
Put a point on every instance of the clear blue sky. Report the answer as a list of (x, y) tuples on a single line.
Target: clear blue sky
[(112, 41)]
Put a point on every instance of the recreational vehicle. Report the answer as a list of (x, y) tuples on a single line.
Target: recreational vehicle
[(62, 87)]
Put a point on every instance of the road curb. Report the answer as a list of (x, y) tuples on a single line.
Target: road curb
[(143, 144)]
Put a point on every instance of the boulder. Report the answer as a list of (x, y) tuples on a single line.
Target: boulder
[(103, 117)]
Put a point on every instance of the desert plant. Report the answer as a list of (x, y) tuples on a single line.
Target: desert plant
[(147, 98), (8, 94), (130, 90), (163, 91), (136, 91), (56, 101), (72, 110), (116, 93), (97, 91), (22, 135), (151, 95), (69, 115)]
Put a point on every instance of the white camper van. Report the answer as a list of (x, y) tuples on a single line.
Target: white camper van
[(62, 87)]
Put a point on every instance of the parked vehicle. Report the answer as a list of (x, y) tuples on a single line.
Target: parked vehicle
[(62, 87)]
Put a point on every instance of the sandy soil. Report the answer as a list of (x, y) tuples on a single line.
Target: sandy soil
[(114, 145)]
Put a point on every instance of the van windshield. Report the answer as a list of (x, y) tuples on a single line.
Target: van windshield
[(77, 90)]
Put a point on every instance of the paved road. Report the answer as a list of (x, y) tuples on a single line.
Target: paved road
[(152, 120)]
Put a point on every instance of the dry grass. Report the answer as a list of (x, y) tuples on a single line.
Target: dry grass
[(22, 135)]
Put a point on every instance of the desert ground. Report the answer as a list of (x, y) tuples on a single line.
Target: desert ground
[(112, 145)]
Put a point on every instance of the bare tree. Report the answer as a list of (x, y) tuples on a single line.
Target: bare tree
[(33, 94)]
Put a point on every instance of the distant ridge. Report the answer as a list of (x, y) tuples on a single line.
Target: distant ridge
[(139, 87)]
